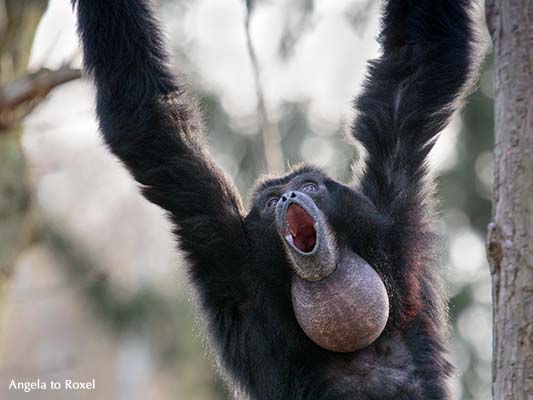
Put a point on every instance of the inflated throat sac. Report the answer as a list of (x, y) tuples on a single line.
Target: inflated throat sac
[(345, 311)]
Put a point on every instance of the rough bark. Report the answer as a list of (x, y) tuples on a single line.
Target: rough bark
[(510, 242)]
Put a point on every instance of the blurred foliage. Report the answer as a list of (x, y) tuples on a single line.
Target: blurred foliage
[(168, 325)]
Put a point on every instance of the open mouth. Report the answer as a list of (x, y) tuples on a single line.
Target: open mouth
[(301, 229)]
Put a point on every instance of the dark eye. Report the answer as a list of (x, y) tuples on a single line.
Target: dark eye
[(309, 187), (272, 202)]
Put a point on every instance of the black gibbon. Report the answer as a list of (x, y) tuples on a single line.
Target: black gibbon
[(321, 289)]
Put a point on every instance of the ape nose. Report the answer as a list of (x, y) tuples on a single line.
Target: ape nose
[(288, 195)]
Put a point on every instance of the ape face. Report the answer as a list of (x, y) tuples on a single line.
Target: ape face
[(338, 299), (296, 209)]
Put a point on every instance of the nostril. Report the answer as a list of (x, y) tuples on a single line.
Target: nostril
[(293, 195), (283, 198)]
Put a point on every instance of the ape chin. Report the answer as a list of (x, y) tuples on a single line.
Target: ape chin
[(339, 300)]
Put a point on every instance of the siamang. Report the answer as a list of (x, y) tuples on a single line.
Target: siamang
[(321, 290)]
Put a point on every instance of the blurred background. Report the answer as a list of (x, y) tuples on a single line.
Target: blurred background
[(98, 289)]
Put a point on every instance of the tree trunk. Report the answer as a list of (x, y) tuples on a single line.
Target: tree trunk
[(20, 20), (510, 242)]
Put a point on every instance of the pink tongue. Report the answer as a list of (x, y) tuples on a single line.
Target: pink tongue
[(301, 227)]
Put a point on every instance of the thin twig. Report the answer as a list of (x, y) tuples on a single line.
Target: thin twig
[(270, 136)]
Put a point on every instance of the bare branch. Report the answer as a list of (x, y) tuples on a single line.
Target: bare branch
[(19, 98)]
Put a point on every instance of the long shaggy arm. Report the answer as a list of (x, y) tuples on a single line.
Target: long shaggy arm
[(154, 128), (410, 93)]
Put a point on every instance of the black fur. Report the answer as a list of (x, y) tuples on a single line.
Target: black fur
[(237, 261)]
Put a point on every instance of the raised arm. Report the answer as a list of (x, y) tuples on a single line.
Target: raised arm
[(410, 94), (150, 123)]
